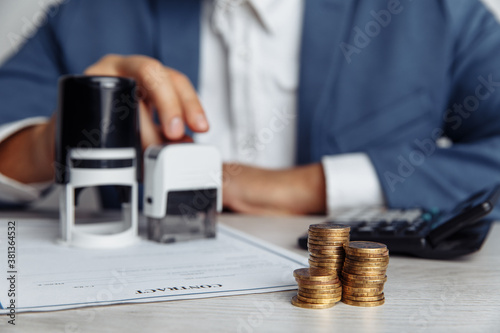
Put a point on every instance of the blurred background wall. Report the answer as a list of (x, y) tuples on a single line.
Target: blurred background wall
[(19, 19)]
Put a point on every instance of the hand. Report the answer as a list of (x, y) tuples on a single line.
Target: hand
[(259, 191), (28, 155), (164, 89)]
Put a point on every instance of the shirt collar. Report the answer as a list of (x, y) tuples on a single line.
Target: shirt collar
[(264, 10)]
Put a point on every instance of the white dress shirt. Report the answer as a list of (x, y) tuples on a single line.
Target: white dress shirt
[(249, 77)]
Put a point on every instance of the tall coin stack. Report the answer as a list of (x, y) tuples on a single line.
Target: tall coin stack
[(363, 275), (326, 243), (318, 288)]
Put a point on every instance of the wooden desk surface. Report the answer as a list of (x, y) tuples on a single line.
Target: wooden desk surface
[(421, 295)]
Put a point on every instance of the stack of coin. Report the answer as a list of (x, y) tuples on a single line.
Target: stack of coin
[(318, 288), (363, 275), (326, 243)]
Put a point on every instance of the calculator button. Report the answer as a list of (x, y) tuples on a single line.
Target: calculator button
[(419, 225), (401, 224), (366, 230), (383, 223), (390, 230), (426, 217), (411, 230)]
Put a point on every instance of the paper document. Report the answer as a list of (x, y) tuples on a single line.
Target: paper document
[(49, 276)]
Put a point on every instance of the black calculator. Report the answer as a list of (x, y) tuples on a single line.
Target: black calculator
[(423, 233)]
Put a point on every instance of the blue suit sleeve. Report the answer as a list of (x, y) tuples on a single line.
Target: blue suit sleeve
[(421, 173), (28, 80)]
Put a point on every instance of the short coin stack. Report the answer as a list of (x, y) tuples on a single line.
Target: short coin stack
[(363, 275), (326, 243), (318, 288)]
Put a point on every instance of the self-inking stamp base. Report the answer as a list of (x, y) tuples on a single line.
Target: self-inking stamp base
[(182, 191), (97, 144)]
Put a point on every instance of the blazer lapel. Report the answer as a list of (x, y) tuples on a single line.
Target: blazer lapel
[(326, 23), (178, 36)]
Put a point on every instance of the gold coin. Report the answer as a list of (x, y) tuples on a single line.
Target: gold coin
[(326, 239), (320, 296), (355, 254), (365, 270), (362, 290), (325, 247), (329, 226), (348, 277), (361, 294), (366, 264), (316, 256), (319, 300), (321, 288), (340, 252), (332, 263), (318, 285), (332, 293), (325, 264), (377, 274), (326, 252), (332, 290), (320, 292), (330, 245), (363, 284), (325, 244), (317, 237), (327, 260), (315, 274), (364, 298), (328, 236), (366, 304), (333, 280), (368, 259), (328, 266), (367, 267), (367, 247), (300, 304)]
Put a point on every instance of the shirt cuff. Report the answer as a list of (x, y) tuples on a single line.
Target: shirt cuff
[(351, 181), (12, 191)]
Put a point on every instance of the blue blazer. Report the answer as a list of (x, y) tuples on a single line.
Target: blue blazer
[(383, 77)]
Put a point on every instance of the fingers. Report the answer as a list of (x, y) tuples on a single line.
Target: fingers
[(150, 133), (157, 88), (192, 109), (169, 91)]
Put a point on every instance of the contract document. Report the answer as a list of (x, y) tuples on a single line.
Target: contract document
[(50, 276)]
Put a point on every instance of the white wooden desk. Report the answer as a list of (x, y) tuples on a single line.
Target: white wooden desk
[(421, 295)]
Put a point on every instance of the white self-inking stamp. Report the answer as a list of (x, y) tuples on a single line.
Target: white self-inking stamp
[(182, 191), (97, 144)]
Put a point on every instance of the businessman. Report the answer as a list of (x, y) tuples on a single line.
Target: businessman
[(314, 104)]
